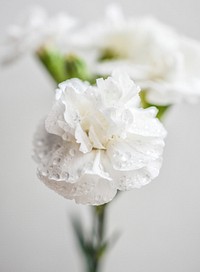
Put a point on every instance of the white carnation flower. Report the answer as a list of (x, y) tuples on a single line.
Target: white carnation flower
[(97, 140), (36, 30), (156, 57)]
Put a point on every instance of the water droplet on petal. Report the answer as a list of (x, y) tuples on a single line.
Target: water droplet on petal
[(57, 146), (72, 152), (40, 142), (115, 154), (54, 176), (68, 158), (80, 171), (127, 117), (41, 155), (56, 161), (65, 175), (74, 189), (44, 173)]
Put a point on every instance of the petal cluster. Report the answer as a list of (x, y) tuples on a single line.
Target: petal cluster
[(36, 30), (97, 140), (163, 63)]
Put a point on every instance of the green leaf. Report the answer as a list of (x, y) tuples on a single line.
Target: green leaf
[(78, 230)]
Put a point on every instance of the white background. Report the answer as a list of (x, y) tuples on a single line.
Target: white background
[(159, 224)]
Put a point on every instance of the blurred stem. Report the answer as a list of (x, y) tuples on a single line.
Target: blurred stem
[(100, 214), (98, 240), (93, 245)]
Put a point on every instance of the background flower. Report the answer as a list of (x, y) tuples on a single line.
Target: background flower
[(36, 31), (97, 140), (162, 62)]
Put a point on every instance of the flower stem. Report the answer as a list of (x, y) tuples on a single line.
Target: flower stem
[(98, 243), (100, 216)]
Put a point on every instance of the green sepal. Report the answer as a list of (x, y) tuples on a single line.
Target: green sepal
[(54, 62), (76, 67), (108, 54), (63, 67), (145, 104)]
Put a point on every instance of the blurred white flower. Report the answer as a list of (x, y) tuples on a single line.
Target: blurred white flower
[(37, 30), (156, 57), (97, 140)]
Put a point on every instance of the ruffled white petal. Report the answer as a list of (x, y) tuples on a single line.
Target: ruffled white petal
[(147, 124), (112, 145), (72, 174), (89, 189), (162, 62), (138, 178), (36, 30), (83, 140), (134, 152)]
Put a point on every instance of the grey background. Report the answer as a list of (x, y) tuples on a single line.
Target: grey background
[(160, 223)]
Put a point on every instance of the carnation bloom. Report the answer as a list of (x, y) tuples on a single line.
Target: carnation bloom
[(163, 63), (36, 31), (97, 140)]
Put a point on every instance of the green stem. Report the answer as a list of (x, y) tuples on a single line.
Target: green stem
[(98, 244), (93, 244), (100, 214)]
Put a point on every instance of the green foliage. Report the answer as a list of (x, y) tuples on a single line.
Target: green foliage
[(161, 109), (93, 243), (76, 67), (54, 63), (108, 54), (62, 67)]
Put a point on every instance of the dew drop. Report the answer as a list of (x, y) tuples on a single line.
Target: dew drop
[(76, 118), (98, 198), (72, 152), (65, 175), (40, 143), (79, 172), (127, 117), (68, 158), (54, 176), (57, 146), (39, 175), (115, 154), (41, 155), (74, 189), (89, 165), (122, 179), (44, 173), (66, 137), (56, 161), (125, 156)]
